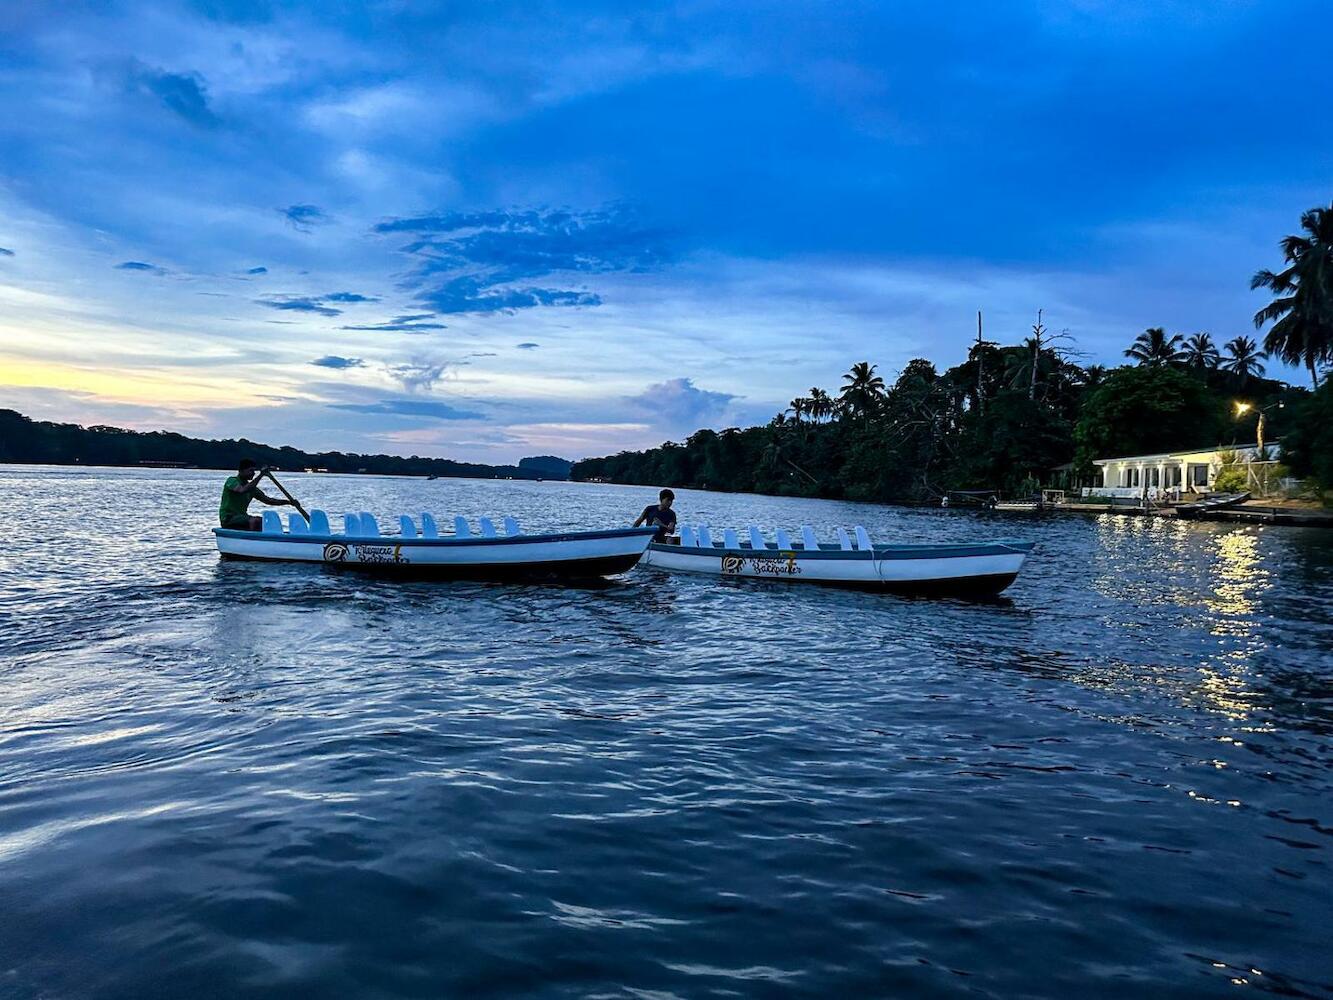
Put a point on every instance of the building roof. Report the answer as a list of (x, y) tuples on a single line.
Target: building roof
[(1254, 446)]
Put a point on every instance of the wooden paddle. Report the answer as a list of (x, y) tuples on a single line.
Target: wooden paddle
[(295, 503)]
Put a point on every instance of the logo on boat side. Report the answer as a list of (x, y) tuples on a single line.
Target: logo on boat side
[(380, 554), (783, 565), (335, 552)]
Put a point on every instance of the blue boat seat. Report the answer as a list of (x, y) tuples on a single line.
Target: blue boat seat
[(863, 539), (406, 526), (461, 529), (429, 529), (296, 524), (757, 539), (319, 523), (705, 537), (351, 525), (844, 542), (729, 539), (784, 540), (687, 539), (369, 526), (487, 527), (272, 523), (808, 539), (511, 527)]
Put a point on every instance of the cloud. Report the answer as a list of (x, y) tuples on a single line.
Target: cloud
[(183, 93), (337, 362), (138, 265), (679, 401), (527, 346), (6, 252), (425, 409), (482, 262), (313, 303), (257, 270), (419, 375), (304, 217)]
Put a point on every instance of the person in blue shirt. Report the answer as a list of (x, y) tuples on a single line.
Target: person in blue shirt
[(660, 516)]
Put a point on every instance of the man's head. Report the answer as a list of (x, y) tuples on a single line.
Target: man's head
[(247, 470), (665, 498)]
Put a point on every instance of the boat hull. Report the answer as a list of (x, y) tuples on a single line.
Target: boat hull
[(575, 555), (928, 570)]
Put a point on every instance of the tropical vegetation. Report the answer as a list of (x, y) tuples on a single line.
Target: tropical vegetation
[(1011, 416)]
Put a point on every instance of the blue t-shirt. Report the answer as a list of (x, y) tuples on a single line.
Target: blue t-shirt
[(663, 517)]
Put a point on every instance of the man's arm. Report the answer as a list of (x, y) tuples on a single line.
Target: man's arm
[(642, 517), (271, 501)]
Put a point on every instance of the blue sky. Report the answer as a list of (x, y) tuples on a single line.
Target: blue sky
[(492, 230)]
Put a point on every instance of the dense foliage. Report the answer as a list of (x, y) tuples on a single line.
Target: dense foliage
[(1007, 418), (25, 440)]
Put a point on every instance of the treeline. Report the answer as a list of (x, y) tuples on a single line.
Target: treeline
[(1009, 418), (1015, 417), (35, 441)]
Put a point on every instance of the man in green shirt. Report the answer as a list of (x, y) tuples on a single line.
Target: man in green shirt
[(237, 492)]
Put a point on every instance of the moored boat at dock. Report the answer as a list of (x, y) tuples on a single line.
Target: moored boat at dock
[(427, 552), (969, 569)]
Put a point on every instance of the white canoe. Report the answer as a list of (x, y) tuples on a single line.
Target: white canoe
[(570, 555), (977, 570)]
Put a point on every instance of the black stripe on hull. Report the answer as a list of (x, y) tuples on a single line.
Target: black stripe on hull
[(968, 588), (562, 569)]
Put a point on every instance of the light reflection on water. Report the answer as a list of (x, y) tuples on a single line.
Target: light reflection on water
[(250, 779)]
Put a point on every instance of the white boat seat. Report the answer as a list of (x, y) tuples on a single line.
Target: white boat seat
[(406, 526), (705, 537), (319, 523), (272, 523), (296, 524), (757, 539), (784, 540), (429, 529), (487, 527), (511, 527), (461, 529), (729, 539), (687, 539), (808, 539), (863, 539), (844, 542), (351, 525), (369, 526)]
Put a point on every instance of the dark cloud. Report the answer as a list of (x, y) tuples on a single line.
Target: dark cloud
[(304, 217), (339, 363), (425, 409), (482, 262), (184, 93), (6, 252), (257, 270), (527, 346), (679, 401), (138, 265), (313, 303), (399, 327)]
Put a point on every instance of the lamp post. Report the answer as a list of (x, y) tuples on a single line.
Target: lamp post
[(1244, 408)]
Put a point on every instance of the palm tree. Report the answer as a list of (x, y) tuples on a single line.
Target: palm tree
[(1244, 358), (821, 404), (1201, 352), (1302, 313), (1153, 347), (863, 390), (798, 406)]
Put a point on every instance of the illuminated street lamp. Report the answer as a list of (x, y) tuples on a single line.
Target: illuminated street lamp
[(1244, 408)]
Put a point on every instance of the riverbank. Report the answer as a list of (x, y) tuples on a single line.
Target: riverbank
[(1255, 512)]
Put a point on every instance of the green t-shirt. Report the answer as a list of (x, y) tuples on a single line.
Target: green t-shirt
[(234, 504)]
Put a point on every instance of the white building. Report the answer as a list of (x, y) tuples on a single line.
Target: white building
[(1185, 471)]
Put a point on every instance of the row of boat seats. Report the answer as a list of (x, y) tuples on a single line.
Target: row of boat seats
[(364, 525), (702, 537)]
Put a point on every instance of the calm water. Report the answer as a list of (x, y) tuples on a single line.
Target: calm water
[(231, 780)]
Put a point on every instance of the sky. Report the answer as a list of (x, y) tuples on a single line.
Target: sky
[(489, 230)]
